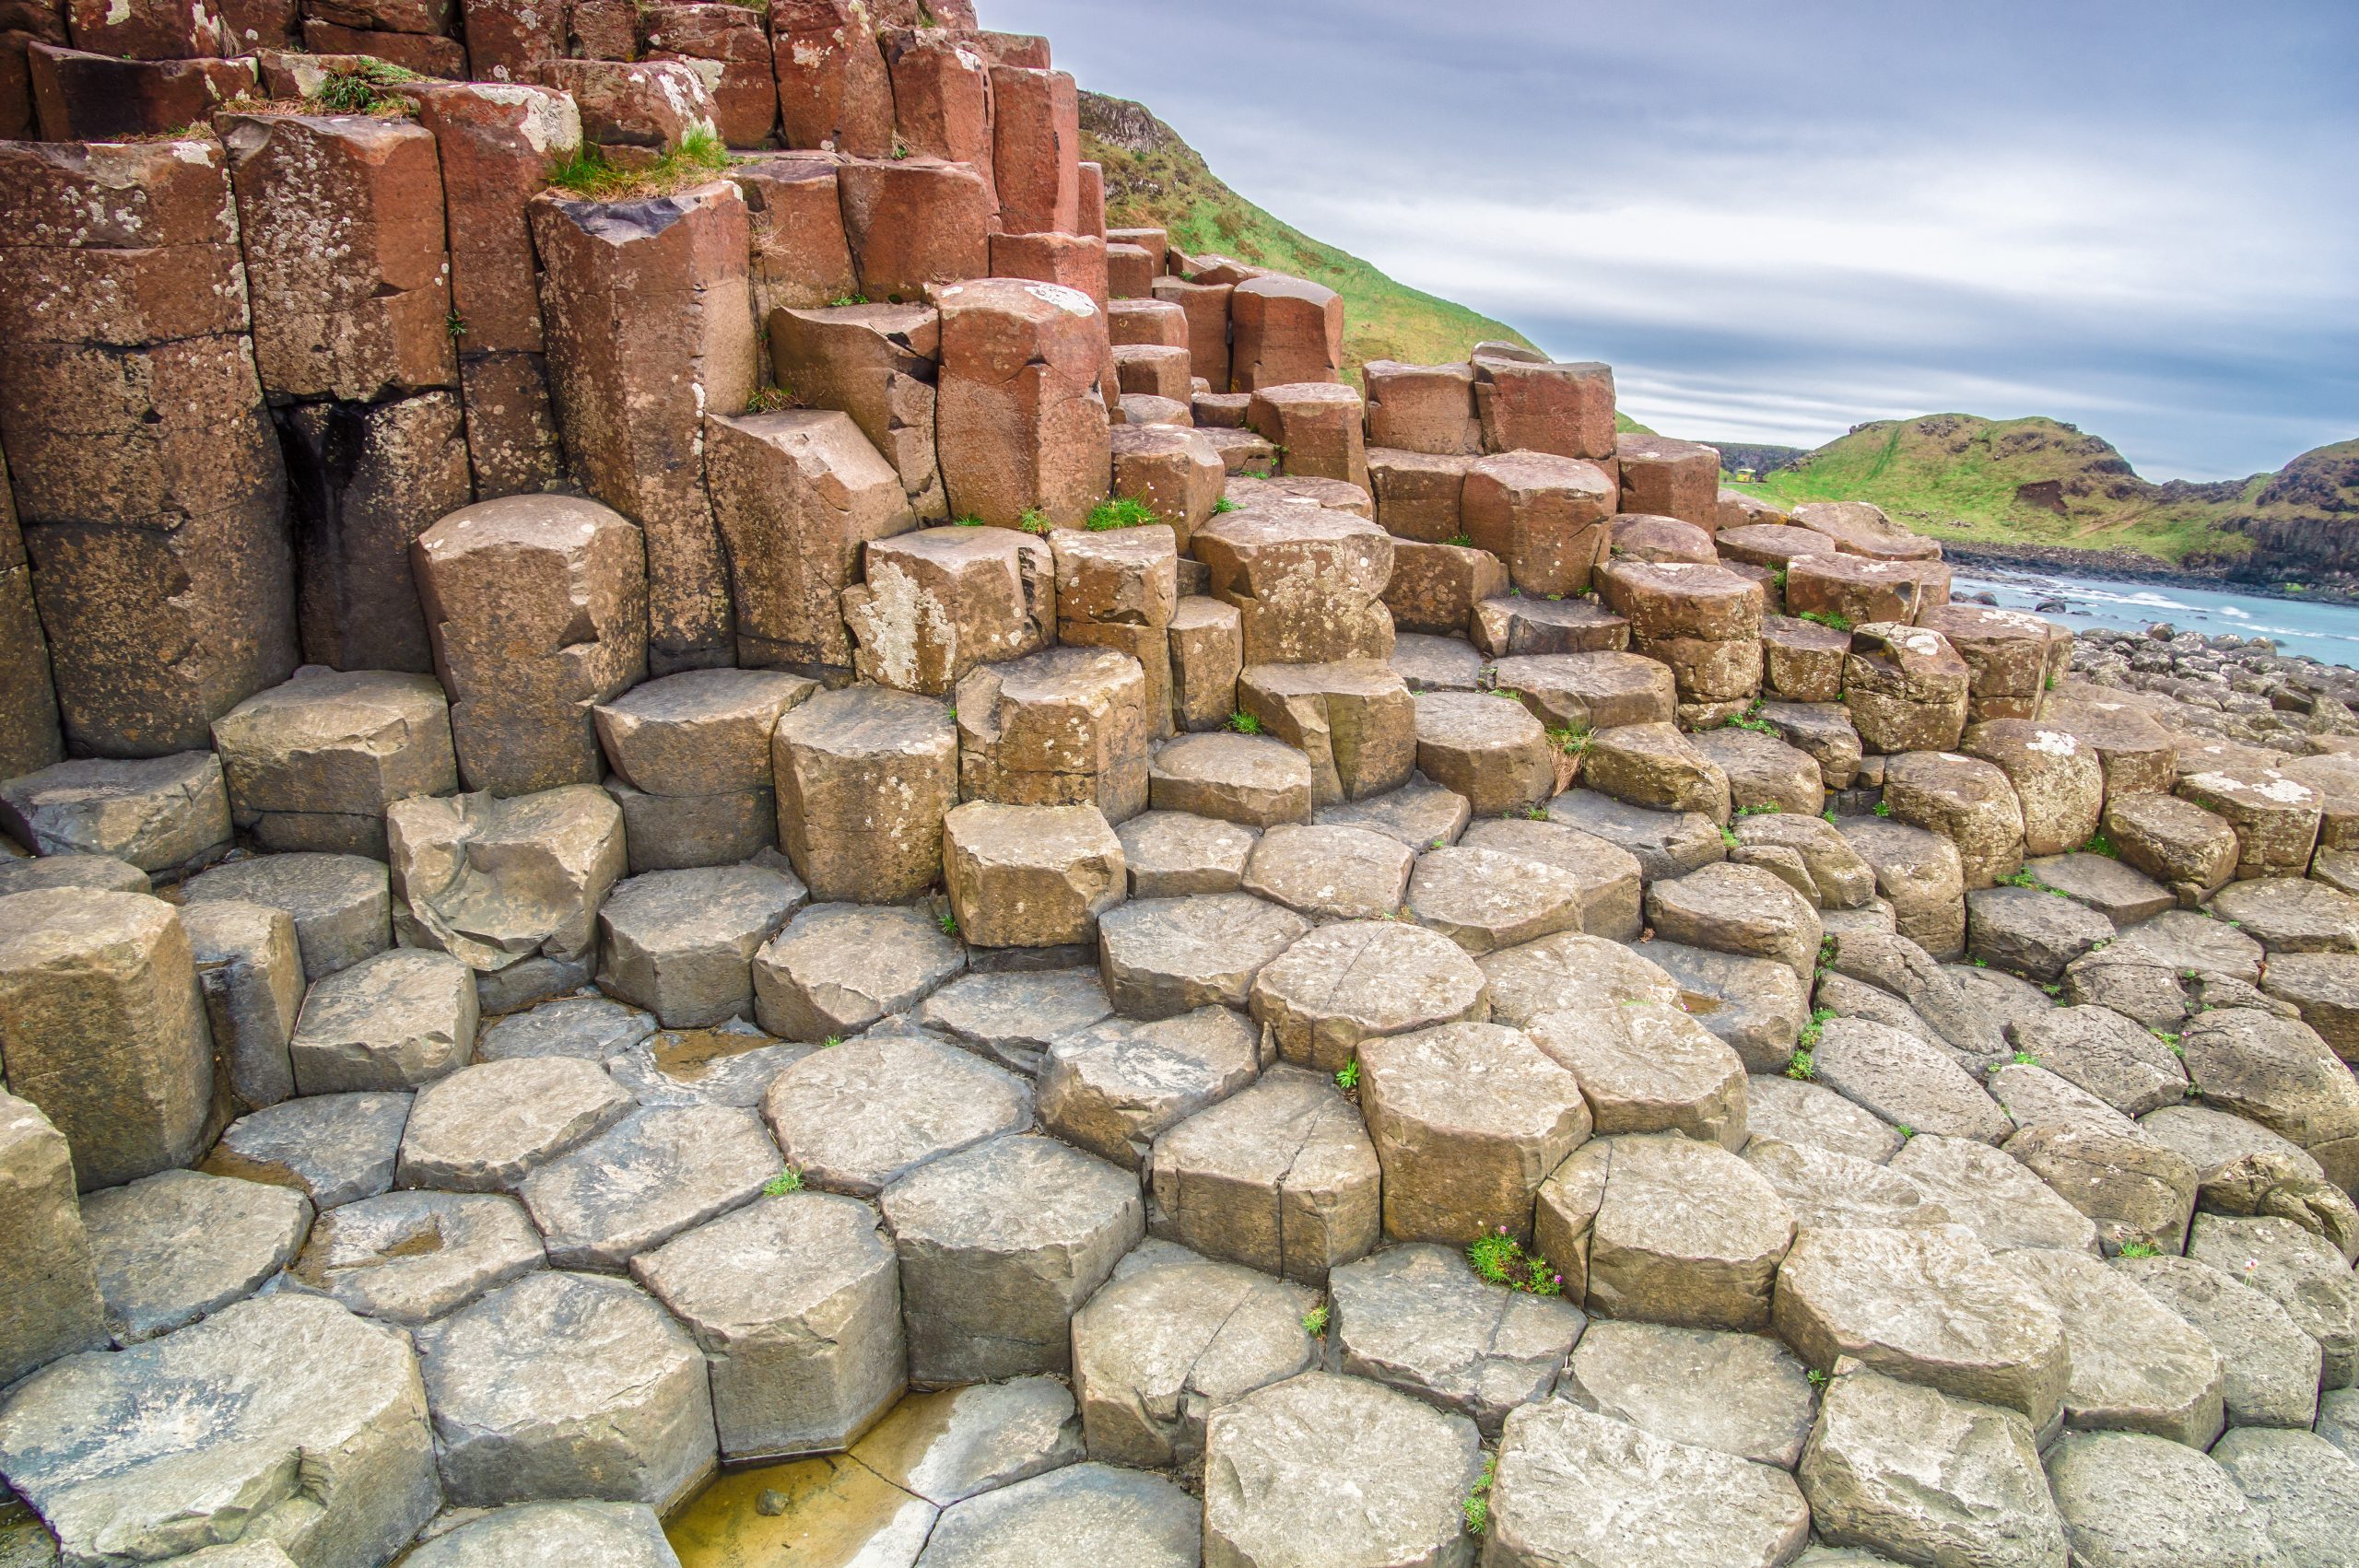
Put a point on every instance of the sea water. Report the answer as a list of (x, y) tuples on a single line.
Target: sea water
[(2326, 632)]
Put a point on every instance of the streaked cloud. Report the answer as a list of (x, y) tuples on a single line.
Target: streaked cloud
[(1777, 221)]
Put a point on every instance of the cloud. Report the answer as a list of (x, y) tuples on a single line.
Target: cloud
[(1780, 220)]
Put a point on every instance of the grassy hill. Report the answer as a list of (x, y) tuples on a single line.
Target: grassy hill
[(1156, 180), (2018, 482)]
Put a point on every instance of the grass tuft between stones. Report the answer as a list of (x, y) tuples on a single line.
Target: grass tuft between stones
[(1501, 1259), (587, 172)]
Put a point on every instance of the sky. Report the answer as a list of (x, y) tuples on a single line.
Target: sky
[(1780, 218)]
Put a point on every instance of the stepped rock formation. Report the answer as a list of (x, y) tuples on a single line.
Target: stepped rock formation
[(914, 849)]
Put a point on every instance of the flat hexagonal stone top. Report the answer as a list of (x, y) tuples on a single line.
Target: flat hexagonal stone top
[(1250, 779), (1082, 1517), (2291, 914), (677, 942), (1994, 1195), (1338, 1471), (160, 1445), (1740, 1394), (567, 1383), (2108, 1055), (2269, 1367), (173, 1246), (972, 1439), (1112, 1087), (857, 1118), (1487, 899), (342, 905), (1173, 854), (1420, 813), (485, 1128), (647, 1178), (1826, 1186), (410, 1257), (1678, 1232), (1927, 1306), (1741, 910), (1792, 1111), (1647, 1068), (2137, 1365), (1906, 1080), (1329, 873), (1571, 972), (2144, 1501), (1011, 1017), (1343, 984), (1162, 1344), (1577, 1487), (836, 969), (1281, 1178), (1604, 877), (333, 1148), (1666, 844), (1163, 956), (1416, 1319), (591, 1027), (1923, 1476), (612, 1535), (730, 1065), (1000, 1245)]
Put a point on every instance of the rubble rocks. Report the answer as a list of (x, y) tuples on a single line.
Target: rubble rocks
[(1647, 1067), (2268, 1367), (1111, 1088), (1160, 957), (336, 1149), (1493, 753), (2137, 1366), (2135, 1500), (1544, 517), (1529, 405), (680, 943), (626, 1535), (1905, 688), (1669, 478), (1248, 779)]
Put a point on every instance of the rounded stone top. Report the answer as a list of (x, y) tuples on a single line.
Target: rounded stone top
[(1632, 447), (1771, 543), (1278, 286), (46, 925), (542, 522), (1652, 537), (866, 720), (1474, 718)]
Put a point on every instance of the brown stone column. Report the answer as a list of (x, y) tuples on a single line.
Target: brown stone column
[(647, 312)]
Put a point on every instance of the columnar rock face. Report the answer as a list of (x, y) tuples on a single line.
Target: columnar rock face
[(316, 194), (1905, 688), (51, 1306), (877, 363), (647, 309), (915, 223), (833, 89), (1703, 621), (1206, 304), (537, 608), (1022, 419), (1544, 516), (1307, 582), (794, 210), (146, 478), (864, 777), (639, 109), (692, 763), (1284, 328), (1532, 405), (2016, 658), (313, 764), (938, 603), (1036, 149), (1063, 727), (495, 143), (104, 1029), (1669, 478)]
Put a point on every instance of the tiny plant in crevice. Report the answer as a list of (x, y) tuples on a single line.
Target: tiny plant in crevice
[(1729, 839), (1979, 962), (1224, 504), (1827, 816), (1032, 519), (1827, 949), (1477, 1506), (1905, 1131), (1501, 1259), (2098, 844), (769, 400), (1463, 540), (587, 171), (1778, 579), (1536, 812), (841, 300), (2141, 1249), (1765, 808), (1801, 1066), (1347, 1077), (949, 922), (455, 325), (1817, 1377), (1573, 740), (1244, 723), (1122, 511), (1883, 809), (1314, 1322), (2025, 1059), (831, 1042), (786, 1181), (965, 522), (359, 88), (1826, 618)]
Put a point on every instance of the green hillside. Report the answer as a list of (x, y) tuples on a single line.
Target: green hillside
[(2017, 482), (1156, 180)]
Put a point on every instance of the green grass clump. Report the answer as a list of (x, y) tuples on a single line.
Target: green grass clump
[(1572, 740), (360, 90), (1314, 1322), (769, 400), (587, 172), (1347, 1077), (949, 922), (2098, 844), (1826, 618), (2141, 1249), (1032, 519), (1224, 504), (1803, 1066), (786, 1181), (1477, 1506), (1808, 1039), (1501, 1259), (1244, 723), (1122, 511)]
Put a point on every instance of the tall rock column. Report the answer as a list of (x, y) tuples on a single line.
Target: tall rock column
[(147, 480), (1021, 421), (49, 1290), (28, 737), (649, 322), (1036, 150), (834, 92), (342, 218), (496, 142)]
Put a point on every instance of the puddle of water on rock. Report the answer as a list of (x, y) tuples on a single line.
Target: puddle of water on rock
[(826, 1512), (686, 1055)]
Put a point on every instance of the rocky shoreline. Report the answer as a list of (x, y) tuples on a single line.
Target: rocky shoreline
[(2133, 566)]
